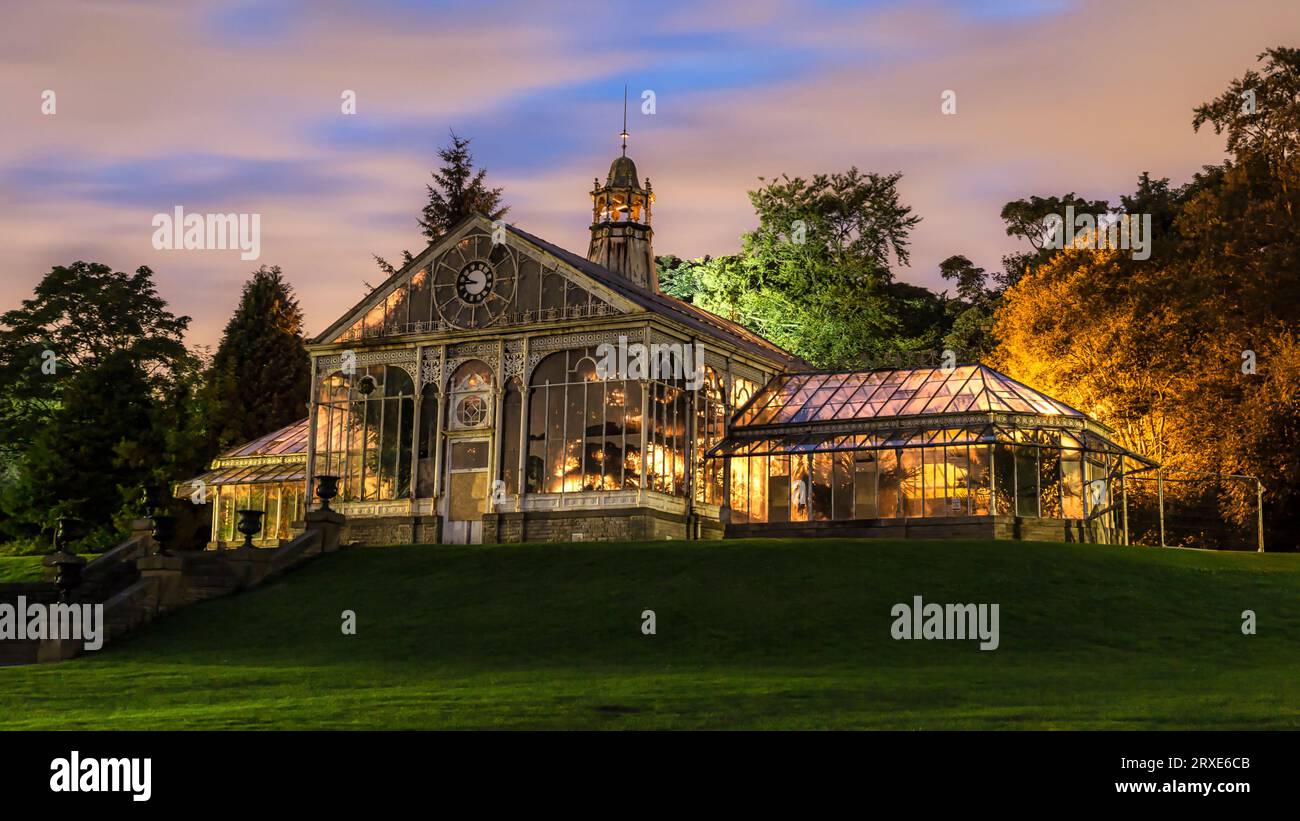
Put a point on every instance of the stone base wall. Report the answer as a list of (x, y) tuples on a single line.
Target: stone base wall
[(383, 530), (617, 524), (1052, 530), (647, 524), (623, 524), (948, 527), (707, 528)]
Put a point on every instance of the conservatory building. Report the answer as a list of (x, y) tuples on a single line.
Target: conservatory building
[(469, 397), (499, 388), (926, 452)]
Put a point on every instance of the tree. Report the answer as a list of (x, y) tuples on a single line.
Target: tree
[(459, 191), (260, 375), (971, 336), (970, 326), (77, 464), (969, 278), (78, 315), (1025, 219), (86, 367), (1190, 354), (852, 220), (679, 277), (1259, 112), (815, 275)]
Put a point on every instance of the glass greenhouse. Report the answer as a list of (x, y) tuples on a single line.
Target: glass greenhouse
[(267, 474), (969, 448)]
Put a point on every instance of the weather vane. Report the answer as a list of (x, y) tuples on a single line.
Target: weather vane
[(624, 134)]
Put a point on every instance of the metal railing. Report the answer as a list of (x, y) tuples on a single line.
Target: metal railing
[(1194, 515), (518, 318)]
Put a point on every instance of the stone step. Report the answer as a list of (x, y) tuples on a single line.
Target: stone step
[(222, 581)]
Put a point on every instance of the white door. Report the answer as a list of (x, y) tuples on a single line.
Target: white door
[(467, 491)]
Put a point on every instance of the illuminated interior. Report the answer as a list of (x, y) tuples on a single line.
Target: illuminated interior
[(924, 442), (267, 474), (364, 424)]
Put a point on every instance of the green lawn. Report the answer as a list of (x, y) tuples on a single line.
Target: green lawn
[(20, 569), (27, 568), (751, 634)]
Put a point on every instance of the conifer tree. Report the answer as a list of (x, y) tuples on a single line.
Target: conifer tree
[(260, 374), (458, 190)]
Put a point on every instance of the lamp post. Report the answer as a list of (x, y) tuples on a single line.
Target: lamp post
[(1259, 514)]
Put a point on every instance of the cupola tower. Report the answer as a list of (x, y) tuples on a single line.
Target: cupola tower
[(620, 221)]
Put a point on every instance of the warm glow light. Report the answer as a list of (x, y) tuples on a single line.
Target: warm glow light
[(938, 477)]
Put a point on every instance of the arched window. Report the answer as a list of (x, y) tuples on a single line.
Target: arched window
[(363, 432), (427, 453), (511, 410), (741, 391), (331, 424), (584, 433), (469, 404)]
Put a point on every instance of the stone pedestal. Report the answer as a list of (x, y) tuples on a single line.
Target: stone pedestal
[(330, 524), (58, 650), (141, 526), (249, 564), (166, 571)]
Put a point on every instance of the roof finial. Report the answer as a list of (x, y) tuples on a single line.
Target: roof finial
[(624, 134)]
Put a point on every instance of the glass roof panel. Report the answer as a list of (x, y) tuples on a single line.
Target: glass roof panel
[(290, 439), (951, 388), (822, 397)]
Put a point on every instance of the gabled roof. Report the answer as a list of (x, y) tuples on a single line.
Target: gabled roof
[(661, 304), (825, 397), (279, 456), (286, 441)]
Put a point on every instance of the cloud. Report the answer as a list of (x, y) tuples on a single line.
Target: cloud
[(236, 107)]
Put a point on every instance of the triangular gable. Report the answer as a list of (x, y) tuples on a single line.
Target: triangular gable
[(428, 293)]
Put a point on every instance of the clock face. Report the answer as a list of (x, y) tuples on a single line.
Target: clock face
[(474, 282)]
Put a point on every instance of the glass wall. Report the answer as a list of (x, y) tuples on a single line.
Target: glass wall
[(666, 426), (584, 433), (281, 502), (1044, 474), (426, 455), (364, 425), (710, 427)]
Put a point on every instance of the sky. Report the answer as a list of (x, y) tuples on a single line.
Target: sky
[(219, 107)]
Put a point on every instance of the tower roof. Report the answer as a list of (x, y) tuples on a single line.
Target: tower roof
[(622, 174)]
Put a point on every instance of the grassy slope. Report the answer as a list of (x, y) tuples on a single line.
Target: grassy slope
[(755, 634)]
